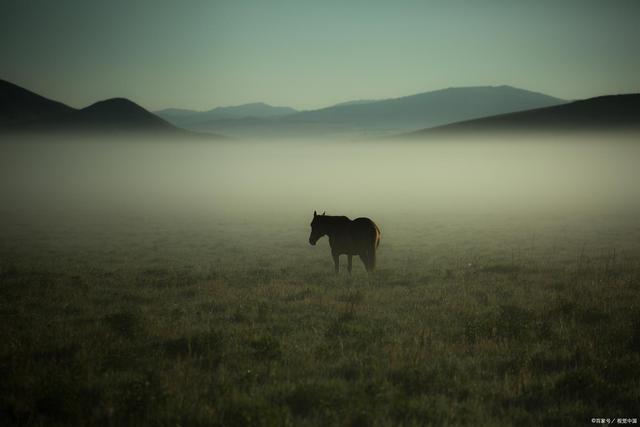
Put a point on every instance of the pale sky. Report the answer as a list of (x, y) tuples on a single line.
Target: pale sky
[(310, 54)]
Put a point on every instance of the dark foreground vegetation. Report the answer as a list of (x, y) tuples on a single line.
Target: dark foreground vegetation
[(477, 321)]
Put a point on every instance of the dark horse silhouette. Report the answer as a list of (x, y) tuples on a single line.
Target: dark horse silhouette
[(358, 237)]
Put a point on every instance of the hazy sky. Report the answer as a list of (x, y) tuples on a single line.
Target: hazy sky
[(308, 54)]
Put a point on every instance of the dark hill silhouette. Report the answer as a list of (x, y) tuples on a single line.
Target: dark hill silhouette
[(118, 113), (389, 116), (24, 111), (604, 113), (20, 106)]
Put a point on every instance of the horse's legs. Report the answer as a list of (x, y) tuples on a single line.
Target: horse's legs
[(336, 262), (365, 260), (369, 260), (349, 265)]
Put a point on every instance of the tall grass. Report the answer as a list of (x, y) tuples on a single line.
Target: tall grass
[(466, 321)]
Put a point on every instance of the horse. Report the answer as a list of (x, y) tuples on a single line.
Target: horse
[(358, 237)]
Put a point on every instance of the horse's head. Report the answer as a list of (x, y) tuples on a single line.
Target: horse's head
[(318, 227)]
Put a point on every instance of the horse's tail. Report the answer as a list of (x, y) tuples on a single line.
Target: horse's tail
[(372, 259), (372, 250)]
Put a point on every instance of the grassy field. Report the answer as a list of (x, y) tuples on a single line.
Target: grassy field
[(469, 320)]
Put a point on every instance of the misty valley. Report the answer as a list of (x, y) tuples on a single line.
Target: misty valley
[(177, 283)]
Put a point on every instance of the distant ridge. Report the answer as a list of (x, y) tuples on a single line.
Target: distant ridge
[(435, 107), (355, 102), (183, 117), (605, 113), (24, 111), (384, 117)]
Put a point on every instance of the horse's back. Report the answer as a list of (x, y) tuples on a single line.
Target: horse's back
[(365, 228), (364, 223)]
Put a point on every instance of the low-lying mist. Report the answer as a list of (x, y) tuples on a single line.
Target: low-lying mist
[(181, 271), (563, 175)]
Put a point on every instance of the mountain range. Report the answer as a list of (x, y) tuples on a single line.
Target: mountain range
[(375, 118), (451, 111)]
